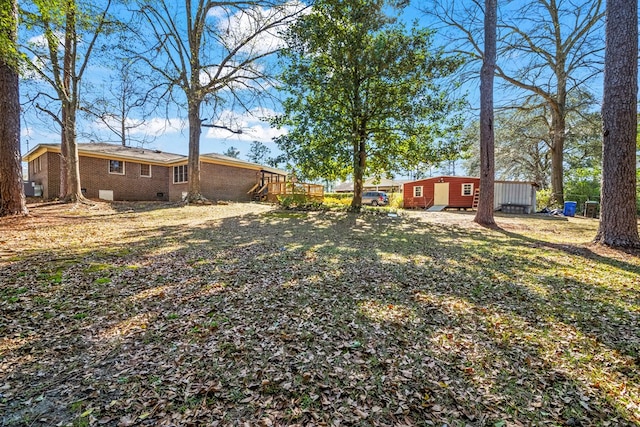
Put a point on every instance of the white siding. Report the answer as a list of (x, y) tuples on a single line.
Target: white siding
[(515, 193)]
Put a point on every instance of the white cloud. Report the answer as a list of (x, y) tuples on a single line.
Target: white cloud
[(38, 47), (40, 41), (253, 128), (155, 126), (159, 126), (241, 25)]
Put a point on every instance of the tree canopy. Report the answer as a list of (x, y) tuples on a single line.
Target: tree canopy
[(210, 56), (364, 94), (547, 50)]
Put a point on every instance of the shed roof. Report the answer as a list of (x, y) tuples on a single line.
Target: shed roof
[(435, 178)]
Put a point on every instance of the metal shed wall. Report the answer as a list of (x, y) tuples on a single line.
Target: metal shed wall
[(515, 193)]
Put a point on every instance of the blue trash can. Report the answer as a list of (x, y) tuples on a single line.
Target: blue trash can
[(570, 208)]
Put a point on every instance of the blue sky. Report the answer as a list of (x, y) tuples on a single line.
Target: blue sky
[(167, 130)]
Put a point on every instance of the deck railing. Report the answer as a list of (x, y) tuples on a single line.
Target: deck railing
[(312, 191)]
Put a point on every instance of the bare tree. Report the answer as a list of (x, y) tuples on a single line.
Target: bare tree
[(618, 218), (210, 56), (59, 58), (12, 200), (484, 215), (125, 104), (556, 45)]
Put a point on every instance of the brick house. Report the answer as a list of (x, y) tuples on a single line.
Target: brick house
[(114, 172)]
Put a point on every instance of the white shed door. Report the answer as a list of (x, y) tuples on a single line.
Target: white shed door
[(441, 193)]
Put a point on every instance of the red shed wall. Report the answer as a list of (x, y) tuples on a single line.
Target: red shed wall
[(456, 199)]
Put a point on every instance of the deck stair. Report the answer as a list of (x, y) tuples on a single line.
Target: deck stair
[(258, 193), (476, 198)]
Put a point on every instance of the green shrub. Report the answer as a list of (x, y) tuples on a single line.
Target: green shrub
[(543, 198), (299, 202), (339, 196), (396, 201), (335, 201)]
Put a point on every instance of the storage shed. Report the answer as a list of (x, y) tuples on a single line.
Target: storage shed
[(447, 191), (515, 196), (460, 192)]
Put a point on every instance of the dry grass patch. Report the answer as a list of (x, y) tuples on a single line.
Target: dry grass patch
[(153, 314)]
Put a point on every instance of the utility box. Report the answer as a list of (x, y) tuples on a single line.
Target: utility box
[(29, 188), (590, 209)]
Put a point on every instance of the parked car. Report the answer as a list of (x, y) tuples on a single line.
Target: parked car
[(375, 198)]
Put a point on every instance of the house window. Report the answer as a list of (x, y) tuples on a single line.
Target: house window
[(145, 170), (116, 167), (467, 189), (179, 174), (36, 165), (417, 191)]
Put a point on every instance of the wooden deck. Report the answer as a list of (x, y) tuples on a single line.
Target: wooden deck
[(311, 191)]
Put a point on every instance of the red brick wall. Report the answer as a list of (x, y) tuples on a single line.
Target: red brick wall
[(176, 190), (48, 176), (95, 176), (456, 199), (221, 182), (218, 182)]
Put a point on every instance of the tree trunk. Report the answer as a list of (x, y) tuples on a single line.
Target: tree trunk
[(74, 190), (557, 154), (359, 164), (618, 218), (195, 130), (71, 189), (559, 124), (484, 215), (123, 121), (12, 200), (64, 154)]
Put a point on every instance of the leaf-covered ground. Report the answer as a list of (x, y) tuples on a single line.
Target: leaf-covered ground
[(152, 314)]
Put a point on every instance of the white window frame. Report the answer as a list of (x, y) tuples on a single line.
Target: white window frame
[(182, 170), (145, 176), (470, 186), (420, 189), (36, 165), (117, 173)]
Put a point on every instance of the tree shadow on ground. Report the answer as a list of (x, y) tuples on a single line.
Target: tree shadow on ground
[(304, 318)]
